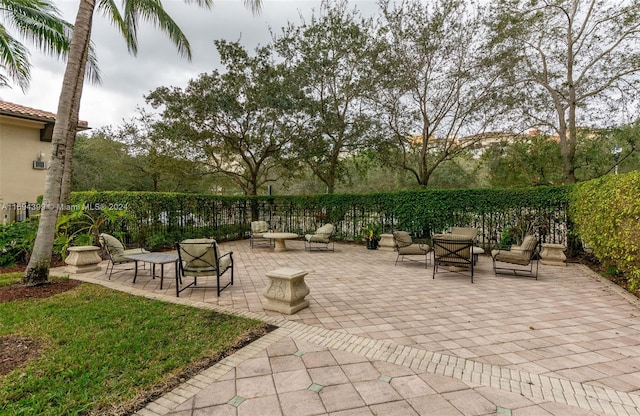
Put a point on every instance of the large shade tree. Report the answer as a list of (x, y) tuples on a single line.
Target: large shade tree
[(69, 105), (433, 87), (158, 163), (568, 64), (240, 123), (100, 163), (332, 58)]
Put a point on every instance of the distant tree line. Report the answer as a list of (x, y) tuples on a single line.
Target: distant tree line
[(349, 103)]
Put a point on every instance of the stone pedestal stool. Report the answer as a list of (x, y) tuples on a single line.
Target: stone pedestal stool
[(387, 243), (83, 259), (553, 254), (286, 291)]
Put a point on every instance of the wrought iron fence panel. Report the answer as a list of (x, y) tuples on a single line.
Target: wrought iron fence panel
[(160, 220)]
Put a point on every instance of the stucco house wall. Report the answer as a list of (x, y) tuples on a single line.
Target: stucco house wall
[(20, 145), (25, 137)]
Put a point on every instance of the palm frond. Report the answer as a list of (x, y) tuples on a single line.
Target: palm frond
[(109, 9), (39, 22), (14, 60), (152, 11)]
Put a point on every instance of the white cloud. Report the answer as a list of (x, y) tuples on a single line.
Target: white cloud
[(126, 79)]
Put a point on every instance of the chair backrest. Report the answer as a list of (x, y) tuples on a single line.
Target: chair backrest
[(325, 231), (453, 248), (258, 227), (402, 239), (113, 246), (528, 246), (198, 254), (469, 232)]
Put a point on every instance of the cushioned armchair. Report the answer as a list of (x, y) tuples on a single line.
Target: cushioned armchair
[(258, 228), (322, 239), (117, 253), (472, 233), (406, 247), (453, 251), (522, 260), (200, 257)]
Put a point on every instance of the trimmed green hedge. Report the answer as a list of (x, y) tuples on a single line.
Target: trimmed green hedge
[(606, 213), (156, 220)]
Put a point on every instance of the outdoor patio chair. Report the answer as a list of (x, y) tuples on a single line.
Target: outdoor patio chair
[(406, 247), (200, 257), (526, 257), (453, 252), (472, 233), (258, 229), (321, 240), (117, 253)]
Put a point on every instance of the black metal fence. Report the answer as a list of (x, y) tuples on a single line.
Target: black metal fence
[(158, 220)]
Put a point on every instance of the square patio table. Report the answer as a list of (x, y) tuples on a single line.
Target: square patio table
[(153, 259)]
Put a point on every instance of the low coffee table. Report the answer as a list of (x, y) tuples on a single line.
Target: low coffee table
[(155, 258), (280, 240)]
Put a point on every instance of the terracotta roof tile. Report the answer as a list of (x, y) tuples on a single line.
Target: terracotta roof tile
[(11, 109)]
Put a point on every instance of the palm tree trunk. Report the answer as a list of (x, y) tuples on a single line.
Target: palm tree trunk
[(65, 127), (65, 190)]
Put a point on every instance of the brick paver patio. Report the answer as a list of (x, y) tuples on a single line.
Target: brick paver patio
[(385, 339)]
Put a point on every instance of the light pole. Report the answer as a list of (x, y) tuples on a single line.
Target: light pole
[(616, 156)]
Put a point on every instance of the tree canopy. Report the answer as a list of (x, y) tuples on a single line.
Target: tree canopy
[(567, 65), (240, 122), (332, 59)]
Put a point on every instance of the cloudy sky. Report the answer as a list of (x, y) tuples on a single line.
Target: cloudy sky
[(126, 79)]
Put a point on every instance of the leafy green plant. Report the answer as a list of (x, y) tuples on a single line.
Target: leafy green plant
[(514, 235), (372, 231), (606, 212), (421, 212), (16, 241), (81, 225)]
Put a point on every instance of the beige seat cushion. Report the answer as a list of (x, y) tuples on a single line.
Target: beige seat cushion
[(117, 250), (448, 243), (322, 234), (113, 244), (529, 244), (522, 258), (259, 227), (121, 258), (402, 238), (469, 232), (198, 257), (506, 256), (413, 250)]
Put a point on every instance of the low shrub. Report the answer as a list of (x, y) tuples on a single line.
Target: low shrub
[(16, 242)]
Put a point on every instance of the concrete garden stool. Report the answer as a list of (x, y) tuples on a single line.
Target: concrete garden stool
[(83, 259), (286, 291), (553, 254), (387, 243)]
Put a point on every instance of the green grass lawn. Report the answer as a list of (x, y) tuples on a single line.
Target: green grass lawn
[(9, 278), (106, 349)]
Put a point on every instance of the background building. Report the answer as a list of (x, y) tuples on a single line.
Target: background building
[(25, 147)]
